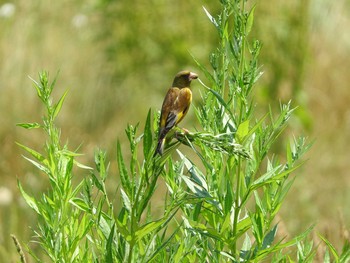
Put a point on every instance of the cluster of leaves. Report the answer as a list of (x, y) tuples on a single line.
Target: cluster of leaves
[(218, 207)]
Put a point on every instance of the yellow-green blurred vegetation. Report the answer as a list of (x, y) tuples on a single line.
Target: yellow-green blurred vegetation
[(117, 58)]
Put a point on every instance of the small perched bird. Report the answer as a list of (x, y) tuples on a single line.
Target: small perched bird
[(175, 105)]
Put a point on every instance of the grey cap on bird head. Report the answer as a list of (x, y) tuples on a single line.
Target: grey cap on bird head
[(183, 79)]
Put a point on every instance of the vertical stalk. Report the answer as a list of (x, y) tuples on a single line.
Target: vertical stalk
[(223, 49), (242, 60), (237, 204)]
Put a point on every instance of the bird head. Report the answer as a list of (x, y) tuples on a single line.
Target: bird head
[(183, 79)]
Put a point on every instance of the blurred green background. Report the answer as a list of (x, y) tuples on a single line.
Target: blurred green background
[(118, 57)]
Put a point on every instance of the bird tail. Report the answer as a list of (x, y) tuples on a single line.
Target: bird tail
[(160, 147)]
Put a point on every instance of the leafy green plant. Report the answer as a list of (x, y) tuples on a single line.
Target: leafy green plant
[(233, 229), (343, 256), (220, 204), (60, 230)]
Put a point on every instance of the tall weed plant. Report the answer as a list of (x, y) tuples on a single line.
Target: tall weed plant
[(220, 205)]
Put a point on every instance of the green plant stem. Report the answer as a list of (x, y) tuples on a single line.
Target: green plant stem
[(237, 203), (223, 54), (134, 216), (241, 66), (135, 212)]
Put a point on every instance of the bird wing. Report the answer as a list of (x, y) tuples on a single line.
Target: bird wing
[(167, 116), (174, 109)]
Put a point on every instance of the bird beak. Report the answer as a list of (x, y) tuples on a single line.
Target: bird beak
[(192, 76)]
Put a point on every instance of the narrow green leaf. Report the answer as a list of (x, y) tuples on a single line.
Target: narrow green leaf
[(84, 227), (229, 199), (38, 165), (209, 231), (69, 153), (38, 88), (211, 18), (345, 255), (258, 202), (327, 258), (141, 248), (197, 210), (34, 153), (250, 20), (80, 203), (256, 126), (103, 222), (219, 98), (289, 154), (284, 191), (125, 180), (126, 200), (198, 177), (275, 174), (165, 243), (207, 74), (258, 225), (243, 225), (97, 182), (123, 230), (198, 190), (229, 256), (123, 216), (148, 228), (147, 136), (242, 131), (269, 238), (247, 243), (78, 188), (179, 253), (65, 166), (58, 106), (29, 200), (53, 83), (331, 248), (83, 166), (109, 246), (226, 225), (296, 239), (29, 126), (101, 166)]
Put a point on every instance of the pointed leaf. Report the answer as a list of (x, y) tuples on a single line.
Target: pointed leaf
[(29, 200), (269, 238), (147, 136), (58, 106), (38, 165), (211, 18), (123, 230), (29, 126), (80, 204), (125, 180), (242, 130), (126, 200), (83, 166), (97, 183), (219, 98), (34, 153), (109, 246), (331, 248), (250, 20), (148, 228)]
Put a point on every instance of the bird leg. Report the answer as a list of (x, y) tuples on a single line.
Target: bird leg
[(181, 132), (183, 136)]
